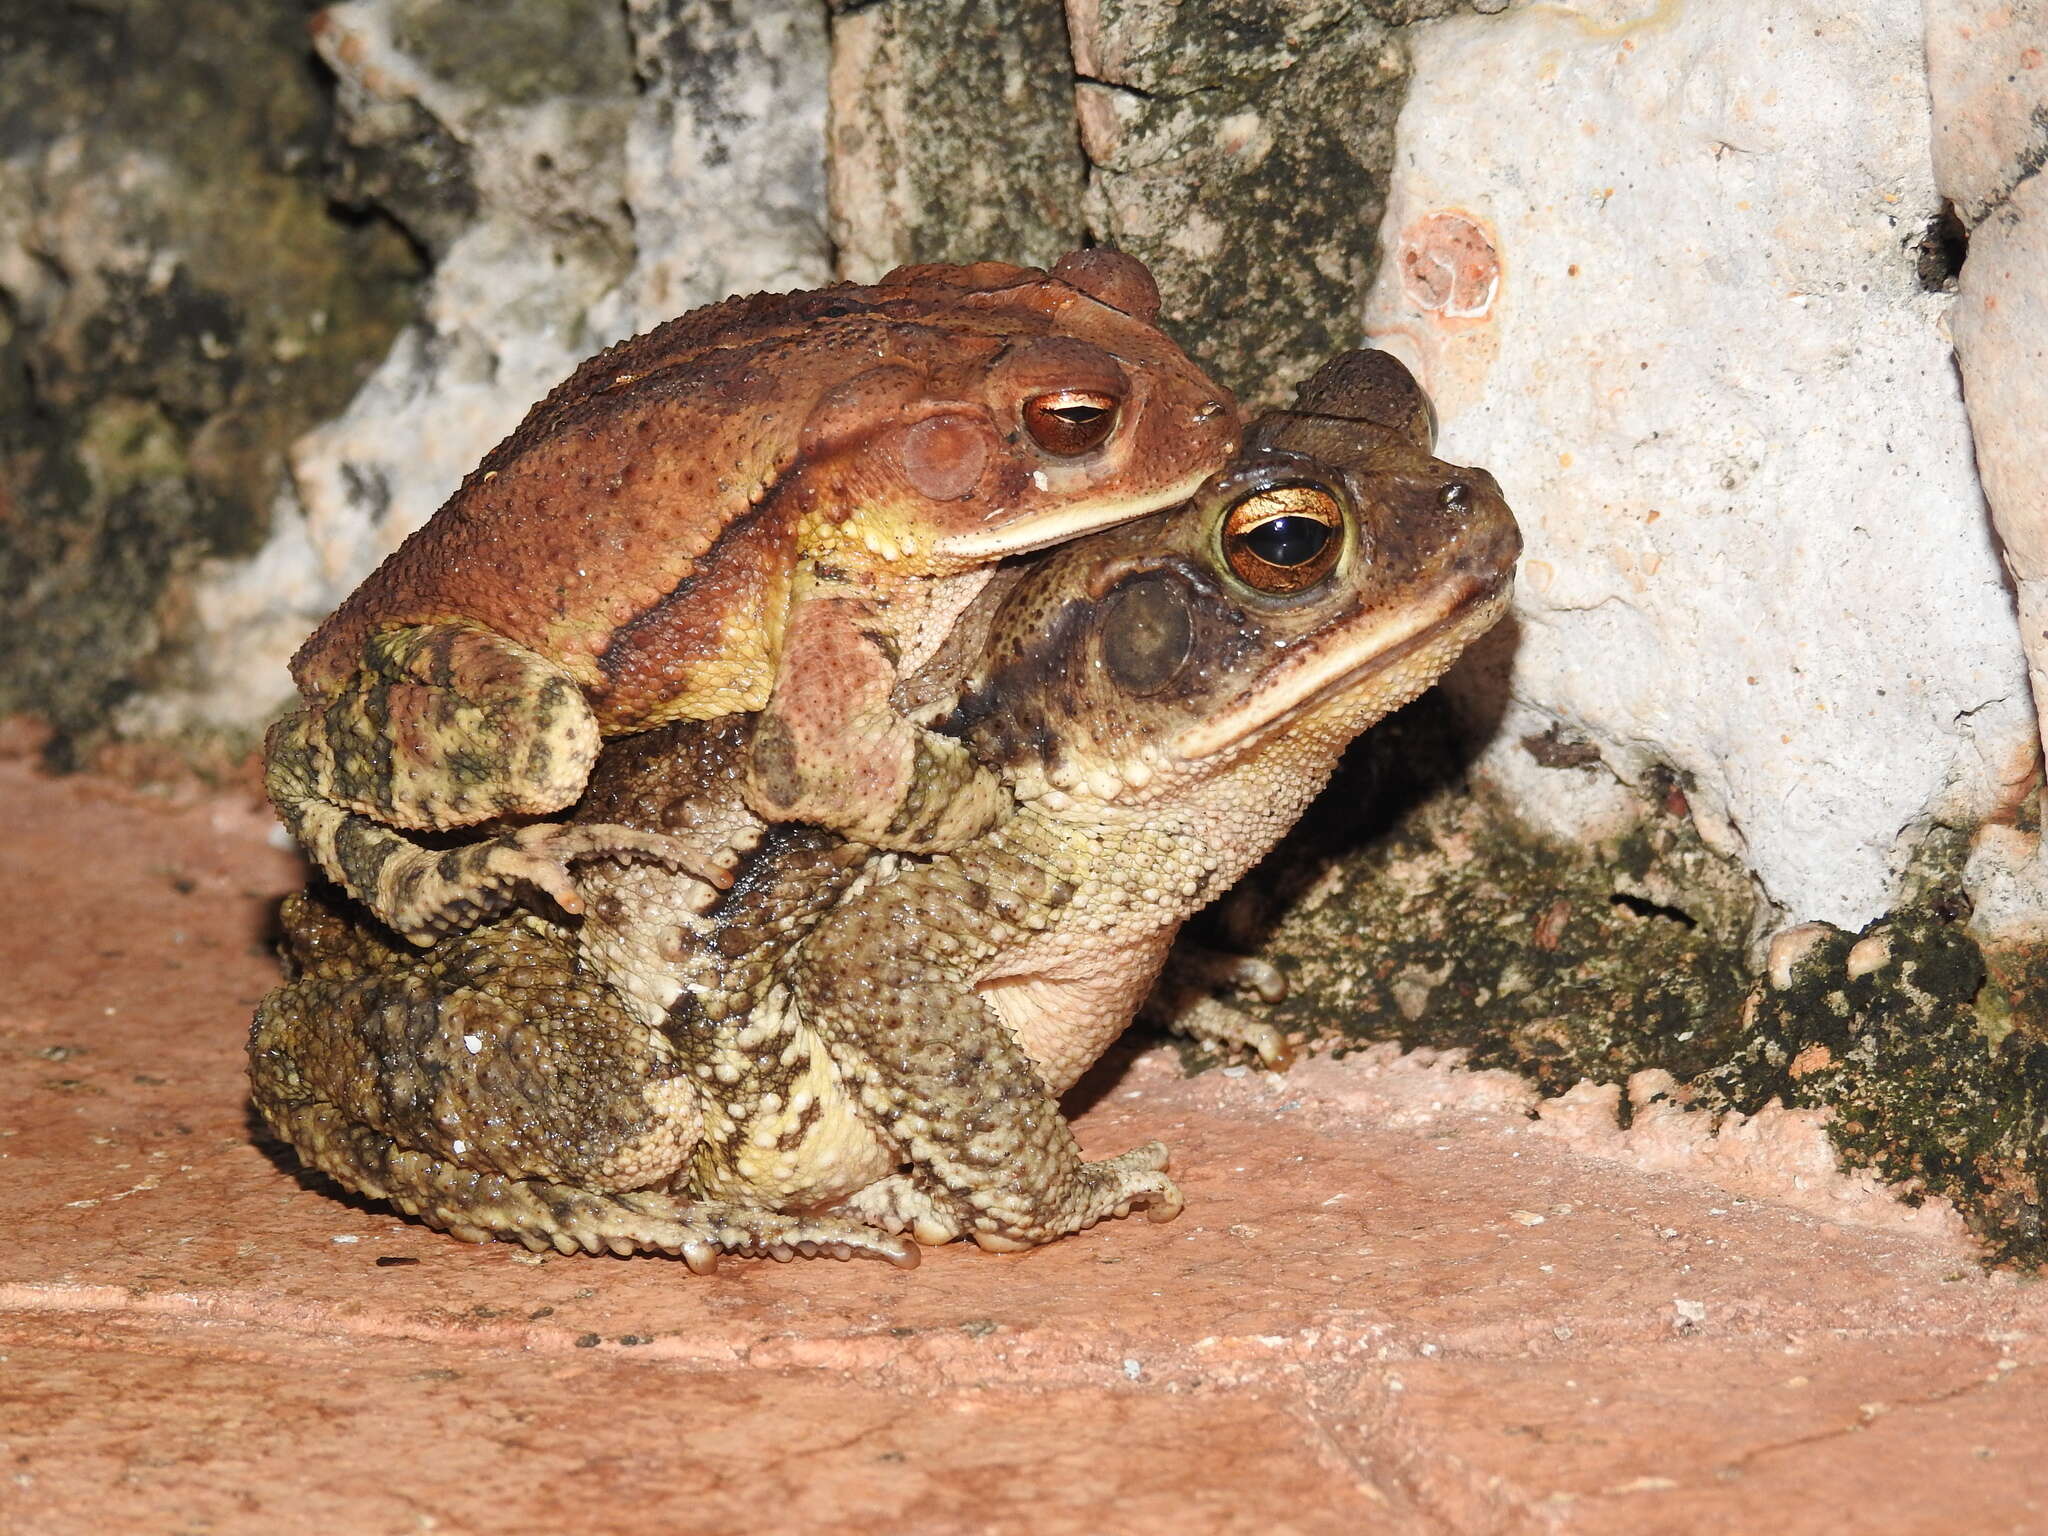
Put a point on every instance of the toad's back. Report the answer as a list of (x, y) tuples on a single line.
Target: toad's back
[(616, 488)]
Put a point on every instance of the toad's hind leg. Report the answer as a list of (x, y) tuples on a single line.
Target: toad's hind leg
[(486, 1085), (881, 980), (447, 725), (491, 1089)]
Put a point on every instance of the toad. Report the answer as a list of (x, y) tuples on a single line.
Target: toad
[(860, 1052), (777, 506)]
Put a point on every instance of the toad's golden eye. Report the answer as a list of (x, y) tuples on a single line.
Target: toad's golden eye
[(1285, 538), (1070, 422)]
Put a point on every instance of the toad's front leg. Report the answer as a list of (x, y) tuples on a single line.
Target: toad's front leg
[(445, 726), (886, 983), (831, 747)]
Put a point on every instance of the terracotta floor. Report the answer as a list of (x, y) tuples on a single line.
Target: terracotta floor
[(1386, 1308)]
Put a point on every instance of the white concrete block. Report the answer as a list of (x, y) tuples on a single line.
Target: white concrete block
[(1656, 263)]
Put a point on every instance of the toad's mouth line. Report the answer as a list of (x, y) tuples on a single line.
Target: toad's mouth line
[(1327, 672), (1071, 523)]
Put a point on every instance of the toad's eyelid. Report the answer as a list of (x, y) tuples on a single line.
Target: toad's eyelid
[(1071, 422), (1314, 514), (1265, 506)]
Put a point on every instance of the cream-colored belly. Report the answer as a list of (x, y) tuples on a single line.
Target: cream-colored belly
[(1068, 1000)]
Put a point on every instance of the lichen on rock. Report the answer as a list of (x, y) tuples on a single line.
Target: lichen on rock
[(1899, 1031), (1407, 908), (1219, 153), (952, 134)]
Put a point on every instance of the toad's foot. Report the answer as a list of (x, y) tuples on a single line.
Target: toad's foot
[(1181, 1000), (1092, 1192), (899, 1203), (1227, 1030), (433, 894), (1216, 969), (755, 1233)]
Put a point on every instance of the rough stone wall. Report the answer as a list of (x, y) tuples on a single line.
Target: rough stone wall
[(1240, 149), (267, 293), (178, 302), (1988, 71)]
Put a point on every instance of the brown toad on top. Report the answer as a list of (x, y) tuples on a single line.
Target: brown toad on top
[(858, 1045), (776, 504)]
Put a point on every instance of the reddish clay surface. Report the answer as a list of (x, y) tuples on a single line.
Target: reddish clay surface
[(1359, 1324)]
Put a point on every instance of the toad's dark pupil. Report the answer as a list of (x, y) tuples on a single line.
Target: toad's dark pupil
[(1288, 540)]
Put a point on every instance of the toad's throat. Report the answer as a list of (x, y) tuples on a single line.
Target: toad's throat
[(1453, 615)]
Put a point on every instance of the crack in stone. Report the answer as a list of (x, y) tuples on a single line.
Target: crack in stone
[(1120, 87), (2026, 165), (1868, 1418), (1975, 709), (1140, 93)]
